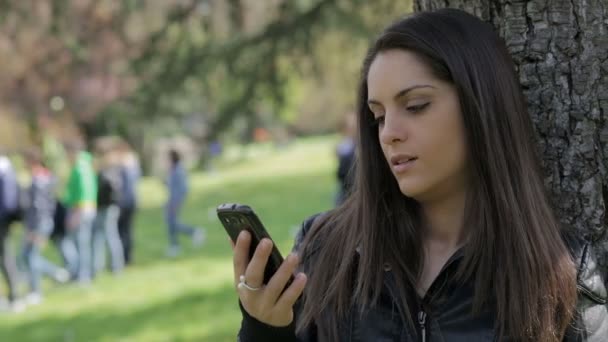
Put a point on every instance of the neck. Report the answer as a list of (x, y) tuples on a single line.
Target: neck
[(443, 220)]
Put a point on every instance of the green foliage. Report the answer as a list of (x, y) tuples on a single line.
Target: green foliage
[(117, 64), (307, 42)]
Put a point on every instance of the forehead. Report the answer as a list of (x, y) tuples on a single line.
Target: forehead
[(395, 70)]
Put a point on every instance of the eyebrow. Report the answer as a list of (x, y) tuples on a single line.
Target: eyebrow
[(402, 92)]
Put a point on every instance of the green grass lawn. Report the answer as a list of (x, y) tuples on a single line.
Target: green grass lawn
[(190, 298)]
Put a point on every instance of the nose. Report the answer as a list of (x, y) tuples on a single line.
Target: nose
[(394, 129)]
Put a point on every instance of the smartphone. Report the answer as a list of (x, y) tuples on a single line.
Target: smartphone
[(237, 217)]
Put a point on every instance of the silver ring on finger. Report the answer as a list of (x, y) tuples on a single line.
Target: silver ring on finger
[(243, 285)]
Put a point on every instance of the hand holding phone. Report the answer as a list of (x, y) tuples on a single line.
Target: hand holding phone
[(273, 290), (236, 218)]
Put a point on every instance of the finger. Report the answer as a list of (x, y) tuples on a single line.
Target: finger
[(241, 255), (231, 243), (277, 283), (293, 292), (255, 270)]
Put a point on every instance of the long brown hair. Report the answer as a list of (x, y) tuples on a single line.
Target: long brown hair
[(514, 255)]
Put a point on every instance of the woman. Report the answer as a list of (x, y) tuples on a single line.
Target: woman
[(105, 226), (177, 187), (130, 174), (448, 235), (39, 225)]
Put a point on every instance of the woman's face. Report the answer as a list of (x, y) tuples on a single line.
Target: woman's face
[(419, 125)]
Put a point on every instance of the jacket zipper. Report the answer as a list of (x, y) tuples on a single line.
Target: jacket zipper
[(422, 322), (421, 314)]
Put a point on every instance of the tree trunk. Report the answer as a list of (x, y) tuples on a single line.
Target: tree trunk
[(559, 47)]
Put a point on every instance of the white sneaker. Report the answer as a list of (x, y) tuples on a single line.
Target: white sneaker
[(33, 298), (62, 276), (198, 237), (17, 306), (173, 251)]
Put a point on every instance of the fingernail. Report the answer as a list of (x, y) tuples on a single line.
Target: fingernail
[(293, 257)]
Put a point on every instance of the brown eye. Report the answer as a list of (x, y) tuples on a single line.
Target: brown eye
[(417, 108)]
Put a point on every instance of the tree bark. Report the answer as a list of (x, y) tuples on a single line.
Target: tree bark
[(559, 48)]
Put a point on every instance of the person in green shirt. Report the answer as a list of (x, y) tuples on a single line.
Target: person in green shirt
[(81, 201)]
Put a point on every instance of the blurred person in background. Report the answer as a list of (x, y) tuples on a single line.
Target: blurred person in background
[(56, 160), (38, 220), (60, 237), (109, 195), (9, 212), (345, 152), (130, 174), (177, 187), (81, 203)]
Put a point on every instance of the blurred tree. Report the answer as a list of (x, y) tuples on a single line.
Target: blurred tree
[(65, 56), (257, 58), (273, 62)]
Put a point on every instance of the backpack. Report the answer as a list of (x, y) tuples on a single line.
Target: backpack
[(11, 198), (59, 229), (109, 190), (23, 203)]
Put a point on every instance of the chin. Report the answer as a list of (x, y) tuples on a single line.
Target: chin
[(409, 190)]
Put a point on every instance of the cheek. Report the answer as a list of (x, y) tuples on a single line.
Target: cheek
[(446, 148), (458, 158), (384, 149), (452, 154), (458, 143)]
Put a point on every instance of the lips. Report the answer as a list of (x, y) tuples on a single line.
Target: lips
[(402, 159), (402, 162)]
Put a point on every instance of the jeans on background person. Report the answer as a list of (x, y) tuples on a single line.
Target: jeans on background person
[(8, 264), (125, 231), (81, 237), (105, 229), (174, 226), (36, 263), (69, 253)]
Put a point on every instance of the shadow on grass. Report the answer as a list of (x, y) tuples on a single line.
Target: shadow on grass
[(176, 319)]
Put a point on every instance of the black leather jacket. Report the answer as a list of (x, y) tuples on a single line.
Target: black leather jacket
[(445, 314)]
